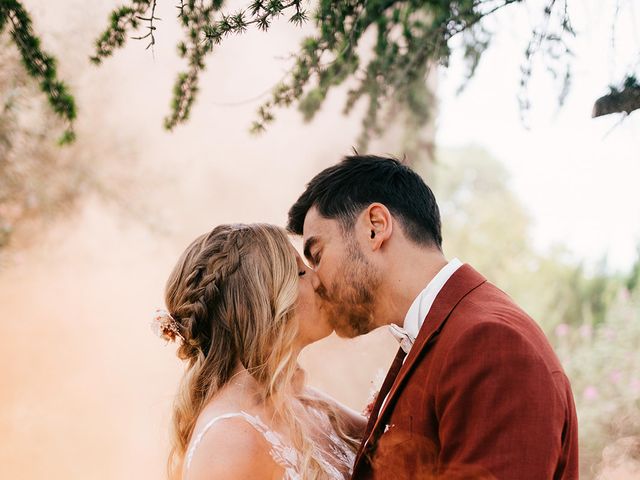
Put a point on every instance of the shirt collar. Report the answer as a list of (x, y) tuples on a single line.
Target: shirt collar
[(422, 304)]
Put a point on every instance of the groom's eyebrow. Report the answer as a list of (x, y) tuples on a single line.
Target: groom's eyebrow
[(308, 245)]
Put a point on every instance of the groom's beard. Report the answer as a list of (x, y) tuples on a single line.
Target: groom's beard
[(350, 299)]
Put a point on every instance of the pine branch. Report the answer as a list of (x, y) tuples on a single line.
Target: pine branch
[(39, 65), (259, 13), (122, 20), (548, 41), (194, 17), (411, 38), (151, 27), (400, 64)]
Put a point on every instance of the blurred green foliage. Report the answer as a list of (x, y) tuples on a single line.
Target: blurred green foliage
[(485, 223)]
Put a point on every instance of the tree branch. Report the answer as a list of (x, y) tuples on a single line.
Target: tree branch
[(617, 101), (40, 65)]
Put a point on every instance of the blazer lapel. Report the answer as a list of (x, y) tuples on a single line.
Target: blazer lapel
[(463, 281), (396, 365), (384, 389)]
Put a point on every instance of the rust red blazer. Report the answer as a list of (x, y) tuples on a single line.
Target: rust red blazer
[(481, 395)]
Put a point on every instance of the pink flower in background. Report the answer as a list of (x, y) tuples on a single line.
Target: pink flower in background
[(624, 295), (608, 333), (562, 330), (586, 331), (615, 376), (591, 393)]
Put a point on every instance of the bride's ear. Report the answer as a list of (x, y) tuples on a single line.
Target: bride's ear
[(379, 224)]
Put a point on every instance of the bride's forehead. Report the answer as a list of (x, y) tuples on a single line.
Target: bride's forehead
[(296, 244)]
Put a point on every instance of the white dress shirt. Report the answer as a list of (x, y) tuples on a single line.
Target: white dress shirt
[(419, 310), (422, 304)]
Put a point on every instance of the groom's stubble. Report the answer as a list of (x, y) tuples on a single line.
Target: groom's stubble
[(350, 299)]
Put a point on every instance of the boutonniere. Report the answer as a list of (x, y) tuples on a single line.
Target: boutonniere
[(374, 391), (368, 409)]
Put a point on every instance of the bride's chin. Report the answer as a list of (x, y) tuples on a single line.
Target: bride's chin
[(315, 337)]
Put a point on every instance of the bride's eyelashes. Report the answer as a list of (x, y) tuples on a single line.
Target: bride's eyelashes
[(302, 273)]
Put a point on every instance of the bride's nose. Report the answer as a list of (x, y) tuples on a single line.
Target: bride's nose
[(315, 281)]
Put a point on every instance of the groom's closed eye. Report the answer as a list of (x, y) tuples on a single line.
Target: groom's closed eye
[(313, 258)]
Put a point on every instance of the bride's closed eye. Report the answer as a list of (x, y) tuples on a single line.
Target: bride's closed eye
[(302, 273)]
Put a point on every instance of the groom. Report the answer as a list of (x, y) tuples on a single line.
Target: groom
[(475, 391)]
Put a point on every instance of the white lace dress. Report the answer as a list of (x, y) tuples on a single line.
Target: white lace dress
[(283, 454)]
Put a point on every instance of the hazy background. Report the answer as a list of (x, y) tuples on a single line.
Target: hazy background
[(86, 389)]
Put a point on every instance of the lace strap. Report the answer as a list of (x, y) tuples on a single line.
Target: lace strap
[(283, 455)]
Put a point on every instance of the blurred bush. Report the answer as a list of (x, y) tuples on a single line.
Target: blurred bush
[(486, 224), (602, 360)]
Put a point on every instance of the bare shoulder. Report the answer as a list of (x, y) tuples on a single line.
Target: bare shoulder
[(232, 449)]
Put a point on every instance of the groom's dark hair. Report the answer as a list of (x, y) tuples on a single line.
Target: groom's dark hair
[(342, 191)]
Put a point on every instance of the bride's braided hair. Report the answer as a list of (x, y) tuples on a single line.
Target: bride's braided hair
[(232, 295), (213, 258)]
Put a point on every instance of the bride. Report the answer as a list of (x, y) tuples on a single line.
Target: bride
[(241, 304)]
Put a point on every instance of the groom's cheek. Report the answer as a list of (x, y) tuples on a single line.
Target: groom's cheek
[(321, 291)]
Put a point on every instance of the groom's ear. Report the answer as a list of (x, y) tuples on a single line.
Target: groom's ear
[(379, 223)]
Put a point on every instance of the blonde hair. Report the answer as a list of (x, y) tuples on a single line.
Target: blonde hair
[(232, 294)]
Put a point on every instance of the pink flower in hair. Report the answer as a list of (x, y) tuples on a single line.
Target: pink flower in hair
[(165, 326)]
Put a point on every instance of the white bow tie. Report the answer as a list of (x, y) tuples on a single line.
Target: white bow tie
[(402, 336)]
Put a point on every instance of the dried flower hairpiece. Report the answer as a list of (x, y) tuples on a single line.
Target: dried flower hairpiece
[(165, 326)]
